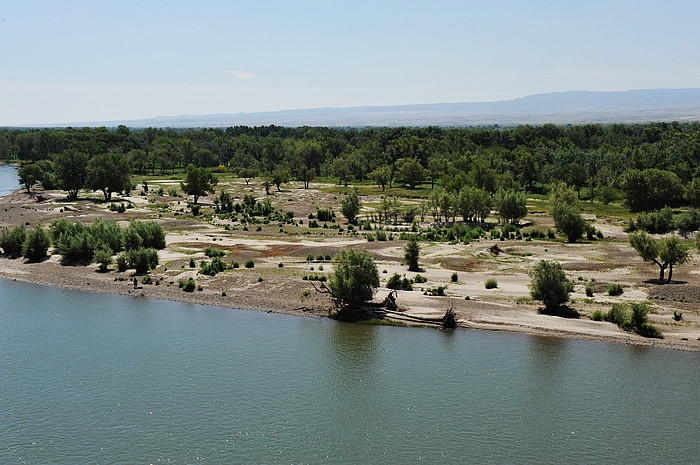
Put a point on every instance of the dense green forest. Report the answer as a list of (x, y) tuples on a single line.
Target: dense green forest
[(648, 166)]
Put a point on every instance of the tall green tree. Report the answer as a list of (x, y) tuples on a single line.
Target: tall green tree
[(108, 172), (566, 212), (71, 171), (198, 182), (651, 189), (411, 253), (29, 175), (350, 206), (511, 206)]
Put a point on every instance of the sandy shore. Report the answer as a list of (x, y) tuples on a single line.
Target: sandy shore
[(274, 288)]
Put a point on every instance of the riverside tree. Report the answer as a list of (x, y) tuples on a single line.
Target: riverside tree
[(549, 284), (36, 244), (664, 253), (71, 171), (355, 277), (29, 175)]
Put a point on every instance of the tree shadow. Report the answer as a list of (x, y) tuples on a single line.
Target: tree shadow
[(563, 311), (664, 282)]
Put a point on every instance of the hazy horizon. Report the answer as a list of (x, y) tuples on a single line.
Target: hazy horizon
[(77, 62)]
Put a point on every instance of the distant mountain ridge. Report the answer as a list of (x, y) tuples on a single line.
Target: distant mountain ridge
[(573, 107)]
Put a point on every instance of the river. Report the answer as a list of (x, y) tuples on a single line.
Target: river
[(92, 378)]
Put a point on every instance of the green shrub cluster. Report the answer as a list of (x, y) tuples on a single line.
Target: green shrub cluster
[(187, 285), (399, 283), (12, 240), (212, 268), (491, 284), (615, 289), (212, 252), (663, 221), (436, 291), (630, 317)]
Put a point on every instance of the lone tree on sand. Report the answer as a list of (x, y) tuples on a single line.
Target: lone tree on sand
[(198, 182), (665, 252), (411, 253), (549, 284), (355, 277)]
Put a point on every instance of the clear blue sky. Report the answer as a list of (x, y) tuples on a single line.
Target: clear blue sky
[(93, 60)]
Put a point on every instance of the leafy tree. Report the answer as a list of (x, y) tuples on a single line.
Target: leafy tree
[(511, 206), (247, 174), (566, 212), (381, 176), (71, 171), (437, 167), (651, 189), (549, 284), (108, 172), (29, 175), (280, 176), (410, 171), (692, 193), (673, 252), (473, 204), (36, 244), (665, 252), (411, 253), (142, 259), (12, 240), (350, 206), (355, 277), (198, 182)]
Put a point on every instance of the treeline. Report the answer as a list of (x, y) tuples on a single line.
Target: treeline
[(658, 162)]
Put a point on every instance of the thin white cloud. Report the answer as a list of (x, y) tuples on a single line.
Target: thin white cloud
[(238, 74)]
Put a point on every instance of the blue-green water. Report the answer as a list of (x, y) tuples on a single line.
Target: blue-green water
[(8, 179), (90, 378)]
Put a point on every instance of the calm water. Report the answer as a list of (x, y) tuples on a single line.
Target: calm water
[(8, 179), (89, 378)]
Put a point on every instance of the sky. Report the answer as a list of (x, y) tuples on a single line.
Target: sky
[(97, 60)]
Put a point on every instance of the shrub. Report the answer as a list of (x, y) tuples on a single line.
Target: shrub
[(122, 262), (381, 235), (147, 279), (192, 263), (454, 278), (325, 214), (12, 240), (589, 291), (491, 284), (187, 285), (549, 284), (143, 259), (212, 268), (436, 291), (152, 233), (249, 263), (598, 315), (104, 258), (618, 314), (615, 289), (212, 252), (36, 244), (678, 316)]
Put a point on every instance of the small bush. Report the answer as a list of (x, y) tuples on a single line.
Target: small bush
[(618, 314), (187, 285), (419, 279), (454, 278), (147, 279), (615, 289), (249, 263), (122, 262), (260, 279), (589, 291), (678, 316), (491, 284), (598, 315), (436, 291), (104, 258), (192, 263), (36, 244)]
